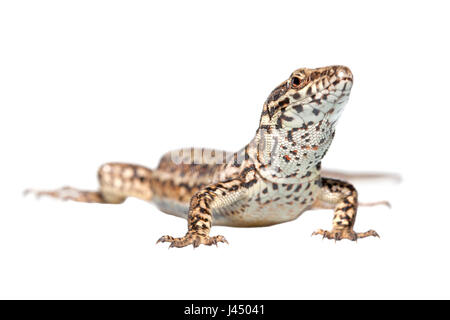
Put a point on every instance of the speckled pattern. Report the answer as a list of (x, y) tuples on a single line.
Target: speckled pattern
[(273, 179)]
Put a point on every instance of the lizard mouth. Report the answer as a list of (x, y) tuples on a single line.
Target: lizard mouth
[(325, 100), (309, 94), (324, 87)]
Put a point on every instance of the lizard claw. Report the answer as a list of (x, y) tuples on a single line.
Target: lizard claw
[(34, 192)]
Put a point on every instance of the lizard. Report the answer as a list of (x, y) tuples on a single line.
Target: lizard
[(273, 179)]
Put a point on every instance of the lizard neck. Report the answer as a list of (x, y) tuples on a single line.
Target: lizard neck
[(292, 153)]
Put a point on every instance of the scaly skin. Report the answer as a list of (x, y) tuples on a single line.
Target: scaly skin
[(273, 179)]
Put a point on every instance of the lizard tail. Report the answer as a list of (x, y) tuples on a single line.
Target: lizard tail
[(358, 176), (118, 181)]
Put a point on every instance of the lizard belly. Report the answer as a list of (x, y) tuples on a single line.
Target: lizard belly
[(172, 206), (269, 204)]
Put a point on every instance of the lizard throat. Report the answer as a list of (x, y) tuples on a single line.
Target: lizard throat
[(294, 153)]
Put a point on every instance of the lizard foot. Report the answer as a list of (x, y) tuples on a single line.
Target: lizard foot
[(376, 203), (349, 234), (194, 239), (64, 193), (69, 193)]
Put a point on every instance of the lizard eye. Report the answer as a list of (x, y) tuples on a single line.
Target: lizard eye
[(295, 82)]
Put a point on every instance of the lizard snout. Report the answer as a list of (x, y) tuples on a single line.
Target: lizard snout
[(344, 73)]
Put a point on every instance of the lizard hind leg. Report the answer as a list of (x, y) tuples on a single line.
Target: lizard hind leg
[(344, 197), (117, 182), (69, 193)]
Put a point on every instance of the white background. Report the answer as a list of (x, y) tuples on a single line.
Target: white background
[(87, 82)]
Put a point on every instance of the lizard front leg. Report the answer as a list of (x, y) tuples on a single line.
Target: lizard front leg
[(345, 199), (200, 217)]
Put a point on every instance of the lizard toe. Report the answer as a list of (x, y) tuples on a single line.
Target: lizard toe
[(347, 233), (192, 239)]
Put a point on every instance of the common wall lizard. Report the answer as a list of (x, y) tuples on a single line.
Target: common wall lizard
[(273, 179)]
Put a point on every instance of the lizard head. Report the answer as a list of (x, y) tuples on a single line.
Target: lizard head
[(308, 97), (299, 118)]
